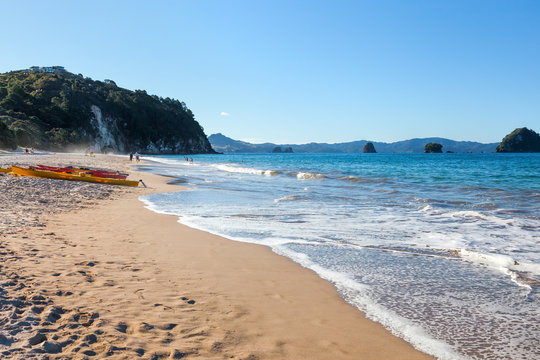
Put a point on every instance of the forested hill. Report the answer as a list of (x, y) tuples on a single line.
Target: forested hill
[(63, 111)]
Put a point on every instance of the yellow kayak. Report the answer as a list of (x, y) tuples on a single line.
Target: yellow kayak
[(69, 176)]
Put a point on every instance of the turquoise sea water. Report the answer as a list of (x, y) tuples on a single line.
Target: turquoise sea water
[(442, 249)]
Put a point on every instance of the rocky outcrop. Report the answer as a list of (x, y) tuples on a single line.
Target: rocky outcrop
[(279, 150), (108, 136), (521, 140), (369, 148), (433, 148), (67, 112)]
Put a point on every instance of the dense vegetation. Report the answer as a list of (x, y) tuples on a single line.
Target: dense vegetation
[(521, 140), (54, 111), (433, 148)]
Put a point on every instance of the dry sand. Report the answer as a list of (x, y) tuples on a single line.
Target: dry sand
[(87, 272)]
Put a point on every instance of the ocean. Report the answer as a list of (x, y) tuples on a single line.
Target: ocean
[(441, 249)]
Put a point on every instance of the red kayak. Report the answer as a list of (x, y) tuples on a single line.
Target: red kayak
[(93, 172)]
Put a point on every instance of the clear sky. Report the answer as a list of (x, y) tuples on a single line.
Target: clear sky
[(298, 71)]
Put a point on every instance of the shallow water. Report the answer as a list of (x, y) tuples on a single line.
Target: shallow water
[(442, 249)]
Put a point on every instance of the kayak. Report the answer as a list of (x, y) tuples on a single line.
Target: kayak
[(98, 173), (8, 170), (71, 176)]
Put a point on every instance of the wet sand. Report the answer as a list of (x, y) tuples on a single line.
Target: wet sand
[(87, 272)]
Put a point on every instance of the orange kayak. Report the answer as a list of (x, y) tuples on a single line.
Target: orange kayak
[(70, 169), (71, 176)]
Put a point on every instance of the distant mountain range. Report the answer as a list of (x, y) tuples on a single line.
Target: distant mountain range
[(224, 144)]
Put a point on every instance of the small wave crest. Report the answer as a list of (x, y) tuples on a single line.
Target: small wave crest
[(309, 176), (289, 198), (503, 263), (246, 170), (365, 180)]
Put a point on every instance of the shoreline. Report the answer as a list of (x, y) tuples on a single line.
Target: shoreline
[(162, 289)]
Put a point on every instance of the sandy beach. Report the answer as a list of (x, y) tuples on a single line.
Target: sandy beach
[(87, 272)]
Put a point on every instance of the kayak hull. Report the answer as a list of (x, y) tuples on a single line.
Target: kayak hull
[(69, 176), (96, 173)]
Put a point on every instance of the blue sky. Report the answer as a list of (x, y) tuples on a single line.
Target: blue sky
[(302, 71)]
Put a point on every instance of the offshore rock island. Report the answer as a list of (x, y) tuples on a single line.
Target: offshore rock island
[(521, 140), (52, 109)]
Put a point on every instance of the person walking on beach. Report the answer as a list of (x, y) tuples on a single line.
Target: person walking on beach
[(137, 156), (131, 156)]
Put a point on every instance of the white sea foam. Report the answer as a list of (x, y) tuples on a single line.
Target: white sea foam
[(158, 208), (493, 260), (245, 170), (469, 214), (502, 263), (354, 293), (168, 161), (289, 198), (309, 176)]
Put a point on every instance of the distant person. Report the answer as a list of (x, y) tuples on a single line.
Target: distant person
[(137, 156), (131, 156), (26, 150), (32, 151), (91, 152)]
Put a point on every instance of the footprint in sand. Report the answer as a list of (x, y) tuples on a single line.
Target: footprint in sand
[(85, 319), (138, 292), (53, 315), (108, 283), (167, 327), (173, 354), (122, 327), (88, 275), (144, 327), (87, 263), (63, 293), (187, 300)]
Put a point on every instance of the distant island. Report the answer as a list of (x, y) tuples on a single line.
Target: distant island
[(52, 109), (521, 140), (433, 148), (369, 148), (278, 150), (224, 144)]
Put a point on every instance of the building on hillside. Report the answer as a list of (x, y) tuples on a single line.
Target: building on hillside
[(49, 69)]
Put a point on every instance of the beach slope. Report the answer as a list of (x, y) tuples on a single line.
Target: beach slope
[(101, 276)]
